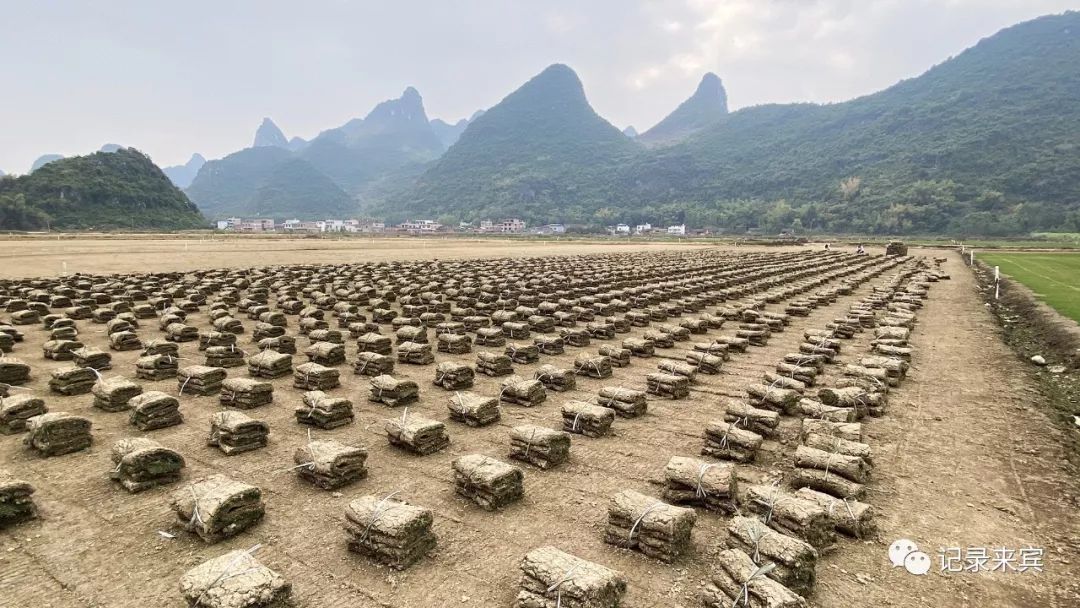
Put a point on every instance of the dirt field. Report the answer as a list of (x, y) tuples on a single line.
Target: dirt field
[(47, 256), (964, 458)]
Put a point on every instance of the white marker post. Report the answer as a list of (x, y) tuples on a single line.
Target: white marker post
[(997, 282)]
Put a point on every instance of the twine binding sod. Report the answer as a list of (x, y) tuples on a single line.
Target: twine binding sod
[(528, 446), (225, 573), (377, 513), (630, 537), (557, 584), (699, 491), (743, 596)]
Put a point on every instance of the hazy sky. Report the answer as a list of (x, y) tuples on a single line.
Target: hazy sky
[(172, 78)]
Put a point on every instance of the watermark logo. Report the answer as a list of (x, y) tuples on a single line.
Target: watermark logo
[(904, 553)]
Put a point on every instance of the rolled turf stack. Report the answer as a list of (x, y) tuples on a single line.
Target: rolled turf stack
[(372, 342), (738, 581), (389, 531), (70, 381), (200, 380), (712, 485), (668, 385), (552, 578), (416, 434), (520, 391), (314, 377), (246, 393), (490, 483), (454, 344), (651, 526), (795, 559), (494, 364), (224, 356), (324, 412), (541, 447), (284, 345), (124, 341), (16, 502), (490, 336), (589, 419), (216, 338), (157, 367), (556, 378), (593, 366), (329, 464), (93, 358), (849, 516), (626, 402), (234, 580), (60, 350), (141, 464), (270, 364), (216, 507), (791, 515), (15, 410), (522, 353), (326, 353), (617, 356), (161, 347), (549, 345), (235, 433), (154, 410), (373, 364), (454, 376), (57, 433), (113, 395), (704, 362), (726, 441), (473, 409), (393, 392), (416, 353)]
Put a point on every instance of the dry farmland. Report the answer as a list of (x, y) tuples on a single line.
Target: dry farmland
[(748, 364)]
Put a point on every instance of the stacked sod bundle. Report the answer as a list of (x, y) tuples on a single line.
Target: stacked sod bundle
[(245, 393), (704, 362), (60, 350), (678, 368), (329, 464), (16, 504), (587, 419), (57, 433), (373, 364), (626, 402), (473, 409), (522, 353), (454, 344), (416, 434), (831, 471), (549, 345), (93, 358), (639, 347), (224, 356), (657, 529), (389, 531), (70, 381), (157, 367), (848, 516), (794, 560), (593, 366), (667, 385), (520, 391), (618, 357), (739, 581), (16, 410), (141, 464), (326, 353), (791, 515), (154, 410), (314, 377), (324, 412), (454, 376), (744, 416), (234, 432), (124, 341), (488, 482), (270, 364), (200, 380), (494, 364), (234, 580), (690, 481), (393, 392), (556, 378), (541, 447), (728, 442), (113, 395), (216, 507), (553, 579)]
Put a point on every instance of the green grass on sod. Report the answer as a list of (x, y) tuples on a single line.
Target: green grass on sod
[(1054, 277)]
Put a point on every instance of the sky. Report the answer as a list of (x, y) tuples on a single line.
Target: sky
[(173, 78)]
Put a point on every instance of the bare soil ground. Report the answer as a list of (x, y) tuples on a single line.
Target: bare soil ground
[(964, 457)]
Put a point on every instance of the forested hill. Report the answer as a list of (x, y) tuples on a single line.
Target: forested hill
[(101, 191), (986, 142)]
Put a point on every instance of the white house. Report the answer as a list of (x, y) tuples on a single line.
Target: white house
[(622, 229), (679, 230), (643, 228)]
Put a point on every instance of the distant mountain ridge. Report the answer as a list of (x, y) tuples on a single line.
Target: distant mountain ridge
[(703, 109), (183, 175)]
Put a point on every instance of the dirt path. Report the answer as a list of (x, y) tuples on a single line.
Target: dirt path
[(965, 458)]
